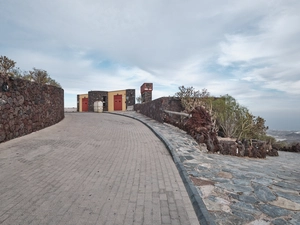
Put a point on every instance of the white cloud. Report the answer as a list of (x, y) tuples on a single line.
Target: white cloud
[(267, 58), (243, 49), (248, 49)]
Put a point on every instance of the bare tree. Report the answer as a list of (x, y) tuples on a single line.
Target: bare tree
[(139, 99), (53, 82), (6, 65), (191, 98), (41, 77)]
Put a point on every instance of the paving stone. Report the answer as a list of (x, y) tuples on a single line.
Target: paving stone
[(220, 180), (241, 182), (234, 187), (246, 217), (182, 158), (295, 218), (263, 181), (287, 185), (285, 203), (273, 211), (202, 168), (189, 165), (189, 157), (263, 193), (245, 207), (248, 199), (244, 198), (280, 221), (224, 218), (90, 169), (194, 173)]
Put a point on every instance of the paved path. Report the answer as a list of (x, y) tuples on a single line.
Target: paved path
[(237, 190), (91, 169)]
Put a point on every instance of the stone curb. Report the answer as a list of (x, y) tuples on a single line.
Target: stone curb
[(201, 211)]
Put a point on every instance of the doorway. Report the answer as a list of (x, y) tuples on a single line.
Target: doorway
[(85, 105), (117, 102)]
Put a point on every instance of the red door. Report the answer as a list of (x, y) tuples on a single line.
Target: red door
[(117, 102), (85, 105)]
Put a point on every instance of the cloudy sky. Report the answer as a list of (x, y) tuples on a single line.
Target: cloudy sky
[(249, 49)]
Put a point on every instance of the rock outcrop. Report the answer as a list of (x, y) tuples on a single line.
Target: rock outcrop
[(247, 148), (201, 128), (292, 148)]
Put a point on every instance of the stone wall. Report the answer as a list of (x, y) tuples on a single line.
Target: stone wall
[(27, 107), (146, 96), (130, 97), (156, 109)]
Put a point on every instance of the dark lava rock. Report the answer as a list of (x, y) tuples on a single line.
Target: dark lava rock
[(201, 128), (293, 148)]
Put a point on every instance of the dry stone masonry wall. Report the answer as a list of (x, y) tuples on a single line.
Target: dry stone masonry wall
[(156, 109), (27, 107), (199, 125)]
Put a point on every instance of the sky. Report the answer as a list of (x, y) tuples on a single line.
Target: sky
[(249, 49)]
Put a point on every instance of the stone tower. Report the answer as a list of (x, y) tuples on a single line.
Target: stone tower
[(146, 92)]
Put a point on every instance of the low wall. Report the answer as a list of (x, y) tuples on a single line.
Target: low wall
[(156, 109), (198, 124), (27, 107)]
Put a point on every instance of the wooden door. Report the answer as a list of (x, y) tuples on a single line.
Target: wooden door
[(117, 102), (85, 105)]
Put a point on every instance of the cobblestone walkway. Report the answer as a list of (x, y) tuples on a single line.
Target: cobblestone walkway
[(237, 190), (91, 169)]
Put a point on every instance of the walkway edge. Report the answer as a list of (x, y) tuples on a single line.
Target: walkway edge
[(201, 211)]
